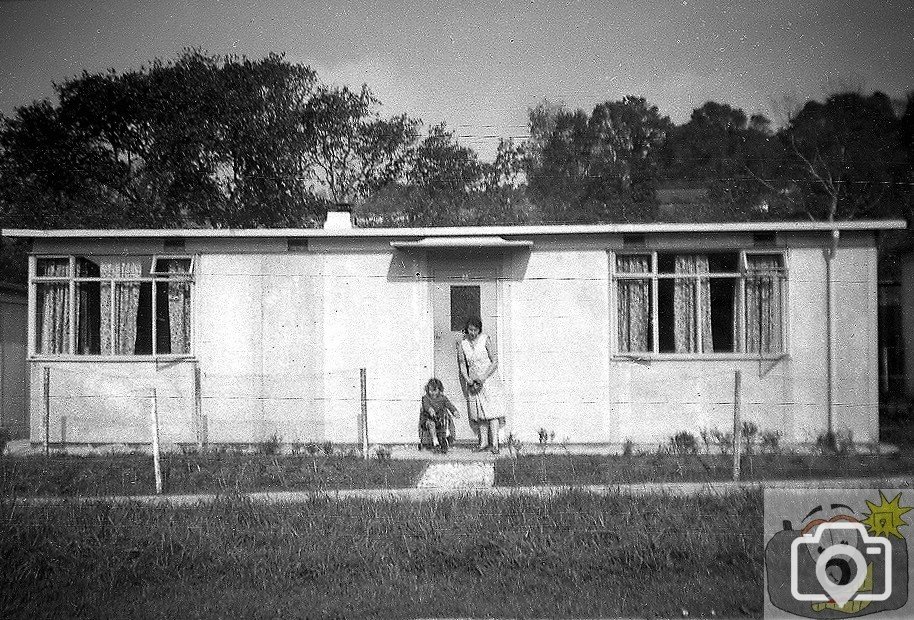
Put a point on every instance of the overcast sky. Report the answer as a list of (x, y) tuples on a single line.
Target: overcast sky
[(480, 65)]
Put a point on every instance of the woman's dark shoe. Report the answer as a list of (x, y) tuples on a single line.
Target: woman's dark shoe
[(496, 451)]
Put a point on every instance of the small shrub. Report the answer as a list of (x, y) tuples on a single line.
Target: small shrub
[(312, 448), (841, 443), (5, 437), (723, 441), (271, 446), (771, 442), (707, 441), (545, 436), (628, 447), (683, 443), (383, 453), (327, 447), (749, 434), (514, 445)]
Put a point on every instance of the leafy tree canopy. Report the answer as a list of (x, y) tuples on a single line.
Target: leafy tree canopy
[(845, 158), (582, 167)]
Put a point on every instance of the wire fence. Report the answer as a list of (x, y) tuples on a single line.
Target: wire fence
[(93, 403)]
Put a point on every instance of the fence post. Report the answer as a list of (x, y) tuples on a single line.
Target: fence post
[(737, 423), (198, 409), (364, 416), (155, 442), (47, 410), (885, 370)]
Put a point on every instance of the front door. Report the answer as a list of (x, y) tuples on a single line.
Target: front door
[(460, 290)]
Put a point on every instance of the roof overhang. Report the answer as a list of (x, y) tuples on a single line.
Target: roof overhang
[(462, 231), (478, 242)]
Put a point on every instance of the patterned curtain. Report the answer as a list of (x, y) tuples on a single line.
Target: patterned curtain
[(179, 311), (763, 304), (124, 310), (634, 304), (53, 301), (692, 305)]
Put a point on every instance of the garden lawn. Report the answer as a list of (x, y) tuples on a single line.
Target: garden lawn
[(572, 554), (588, 469), (199, 473)]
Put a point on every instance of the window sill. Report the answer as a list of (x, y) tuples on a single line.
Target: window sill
[(697, 357), (111, 358)]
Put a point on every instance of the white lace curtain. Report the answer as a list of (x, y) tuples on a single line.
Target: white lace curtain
[(634, 305), (692, 305), (763, 304), (179, 311), (124, 310), (53, 300)]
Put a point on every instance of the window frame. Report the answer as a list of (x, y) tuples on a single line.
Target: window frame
[(72, 280), (655, 276)]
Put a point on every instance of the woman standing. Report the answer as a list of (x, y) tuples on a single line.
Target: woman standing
[(478, 363)]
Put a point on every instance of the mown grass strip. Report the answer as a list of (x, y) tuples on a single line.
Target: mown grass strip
[(70, 475), (568, 554), (601, 469)]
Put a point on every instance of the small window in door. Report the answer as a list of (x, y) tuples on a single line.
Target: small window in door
[(464, 304)]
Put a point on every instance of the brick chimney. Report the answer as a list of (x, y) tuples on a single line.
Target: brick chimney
[(339, 216)]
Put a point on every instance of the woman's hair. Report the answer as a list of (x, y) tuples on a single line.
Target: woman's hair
[(434, 384), (475, 321)]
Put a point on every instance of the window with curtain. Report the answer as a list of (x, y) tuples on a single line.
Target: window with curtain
[(119, 305), (700, 302)]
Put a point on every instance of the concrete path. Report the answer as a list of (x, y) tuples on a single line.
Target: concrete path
[(428, 494), (455, 475)]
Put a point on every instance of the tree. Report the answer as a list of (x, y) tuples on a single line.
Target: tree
[(598, 167), (506, 168), (201, 141), (628, 136), (734, 157), (349, 148), (846, 157), (444, 167), (446, 185)]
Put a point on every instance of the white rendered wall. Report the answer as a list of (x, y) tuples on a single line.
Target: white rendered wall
[(376, 316), (258, 324), (111, 402), (280, 337), (560, 349), (651, 401)]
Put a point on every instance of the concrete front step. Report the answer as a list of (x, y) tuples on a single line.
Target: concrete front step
[(456, 475)]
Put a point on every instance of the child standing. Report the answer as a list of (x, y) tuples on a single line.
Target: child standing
[(436, 416)]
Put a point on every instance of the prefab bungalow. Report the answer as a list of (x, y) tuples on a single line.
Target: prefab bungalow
[(604, 333)]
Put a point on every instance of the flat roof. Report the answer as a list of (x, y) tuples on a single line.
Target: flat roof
[(460, 231)]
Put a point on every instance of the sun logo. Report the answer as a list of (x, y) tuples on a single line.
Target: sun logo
[(885, 518)]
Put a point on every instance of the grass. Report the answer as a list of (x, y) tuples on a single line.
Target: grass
[(584, 469), (572, 554), (63, 475), (198, 473)]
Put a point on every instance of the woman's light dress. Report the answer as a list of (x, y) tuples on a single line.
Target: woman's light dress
[(488, 403)]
